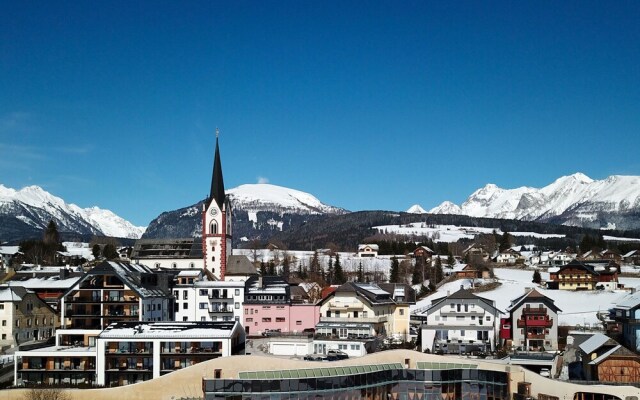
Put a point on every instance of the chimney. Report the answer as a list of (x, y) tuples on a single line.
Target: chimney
[(64, 273)]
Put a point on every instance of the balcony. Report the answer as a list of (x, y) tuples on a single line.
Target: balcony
[(541, 323), (535, 310), (345, 319), (453, 312), (536, 336), (221, 310), (345, 306)]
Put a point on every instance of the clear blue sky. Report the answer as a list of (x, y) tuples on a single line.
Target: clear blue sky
[(366, 105)]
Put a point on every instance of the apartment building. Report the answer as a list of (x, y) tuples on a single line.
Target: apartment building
[(461, 322)]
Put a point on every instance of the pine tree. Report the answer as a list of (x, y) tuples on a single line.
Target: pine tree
[(360, 272), (394, 276), (314, 266), (417, 276), (263, 268), (536, 277), (338, 274), (505, 241), (109, 252), (51, 242), (451, 260), (438, 275), (286, 267), (96, 251), (330, 273), (272, 268)]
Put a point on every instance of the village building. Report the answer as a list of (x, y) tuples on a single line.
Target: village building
[(368, 250), (183, 253), (24, 317), (363, 310), (532, 324), (606, 361), (461, 322), (627, 313), (582, 275)]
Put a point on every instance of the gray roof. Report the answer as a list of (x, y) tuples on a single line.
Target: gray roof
[(12, 293), (629, 302), (240, 265), (594, 343)]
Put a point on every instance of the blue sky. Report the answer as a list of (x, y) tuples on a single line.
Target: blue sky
[(366, 105)]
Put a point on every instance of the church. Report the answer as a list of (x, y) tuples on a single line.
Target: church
[(210, 252)]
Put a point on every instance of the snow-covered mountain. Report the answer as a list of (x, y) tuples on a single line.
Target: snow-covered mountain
[(416, 209), (259, 211), (30, 209), (571, 200), (267, 197)]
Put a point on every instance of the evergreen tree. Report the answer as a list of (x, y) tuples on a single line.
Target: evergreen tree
[(263, 268), (95, 250), (394, 276), (109, 252), (360, 272), (271, 270), (286, 267), (314, 267), (338, 275), (505, 241), (51, 242), (451, 260), (438, 275), (536, 277), (330, 273), (418, 276)]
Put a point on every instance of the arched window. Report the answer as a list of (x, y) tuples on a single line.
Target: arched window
[(213, 258), (213, 228)]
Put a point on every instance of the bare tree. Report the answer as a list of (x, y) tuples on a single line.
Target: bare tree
[(46, 394)]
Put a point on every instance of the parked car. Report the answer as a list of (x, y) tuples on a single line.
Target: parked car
[(271, 332), (333, 355)]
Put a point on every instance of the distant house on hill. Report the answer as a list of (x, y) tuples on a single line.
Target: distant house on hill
[(578, 275), (368, 250), (423, 251)]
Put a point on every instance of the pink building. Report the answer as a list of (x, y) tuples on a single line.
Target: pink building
[(268, 306)]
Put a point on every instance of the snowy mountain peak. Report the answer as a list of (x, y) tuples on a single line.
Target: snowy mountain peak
[(267, 197), (416, 209), (35, 207), (446, 207), (573, 200)]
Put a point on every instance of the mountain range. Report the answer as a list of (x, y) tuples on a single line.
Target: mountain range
[(26, 212), (575, 200)]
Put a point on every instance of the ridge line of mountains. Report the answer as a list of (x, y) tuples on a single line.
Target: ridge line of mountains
[(263, 211)]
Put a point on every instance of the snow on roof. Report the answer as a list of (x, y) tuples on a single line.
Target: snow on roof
[(159, 330), (9, 250), (594, 343), (629, 254), (372, 246), (630, 301), (47, 282), (11, 294), (188, 272), (554, 269), (372, 288)]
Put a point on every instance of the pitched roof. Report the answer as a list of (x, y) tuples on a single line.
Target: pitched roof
[(463, 294), (240, 265), (533, 295), (12, 293), (594, 343), (614, 351)]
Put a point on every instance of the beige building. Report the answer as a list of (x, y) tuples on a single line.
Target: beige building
[(24, 317), (357, 310)]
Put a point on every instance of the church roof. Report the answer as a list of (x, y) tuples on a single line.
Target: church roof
[(217, 183)]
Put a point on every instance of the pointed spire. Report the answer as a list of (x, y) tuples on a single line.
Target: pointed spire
[(217, 183)]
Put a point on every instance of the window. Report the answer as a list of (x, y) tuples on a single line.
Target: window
[(192, 265), (174, 265), (444, 317), (237, 292), (402, 311), (18, 323), (4, 322), (266, 319), (204, 292), (203, 306), (203, 318), (237, 306), (458, 307), (4, 336), (184, 318), (176, 294), (160, 307), (213, 228), (1, 306), (460, 318), (279, 319), (298, 322), (461, 332), (488, 318), (249, 319), (185, 306), (185, 294)]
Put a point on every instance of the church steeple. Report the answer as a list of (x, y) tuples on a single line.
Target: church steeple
[(217, 182)]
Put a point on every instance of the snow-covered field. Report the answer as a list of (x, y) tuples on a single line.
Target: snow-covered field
[(449, 233), (578, 308)]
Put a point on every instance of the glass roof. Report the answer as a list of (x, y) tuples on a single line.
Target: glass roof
[(319, 372), (439, 365)]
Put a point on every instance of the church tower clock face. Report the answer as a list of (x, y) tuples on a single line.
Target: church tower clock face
[(213, 212)]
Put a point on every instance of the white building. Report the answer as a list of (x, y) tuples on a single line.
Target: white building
[(129, 352), (459, 323)]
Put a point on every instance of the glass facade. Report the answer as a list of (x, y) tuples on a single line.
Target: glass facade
[(397, 384)]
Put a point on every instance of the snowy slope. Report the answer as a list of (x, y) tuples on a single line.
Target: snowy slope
[(35, 207), (578, 308), (571, 200), (267, 197)]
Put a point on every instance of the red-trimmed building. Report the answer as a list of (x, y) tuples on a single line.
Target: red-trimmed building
[(532, 323)]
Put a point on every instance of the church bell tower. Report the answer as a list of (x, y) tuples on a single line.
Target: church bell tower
[(216, 222)]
